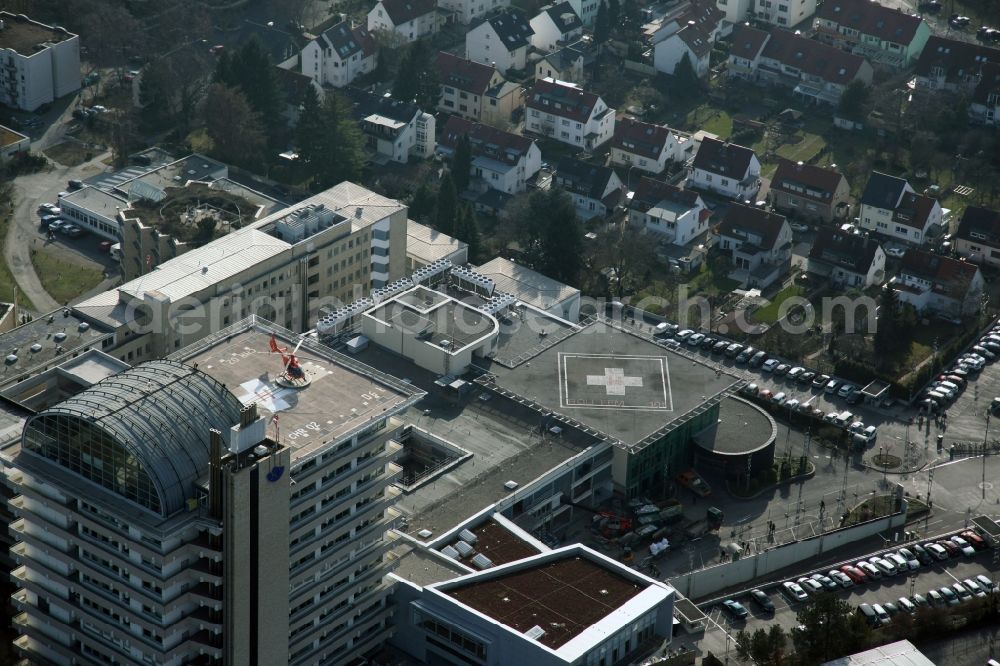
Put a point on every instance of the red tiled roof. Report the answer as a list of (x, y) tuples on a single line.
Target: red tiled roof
[(947, 276), (640, 138), (849, 251), (811, 57), (740, 219), (747, 42), (484, 140), (871, 18), (723, 158), (913, 210), (464, 74), (806, 180), (561, 100), (696, 39)]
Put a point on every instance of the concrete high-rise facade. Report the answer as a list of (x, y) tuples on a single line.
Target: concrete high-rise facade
[(209, 506)]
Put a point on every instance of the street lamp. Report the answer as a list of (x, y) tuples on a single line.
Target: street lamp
[(885, 467)]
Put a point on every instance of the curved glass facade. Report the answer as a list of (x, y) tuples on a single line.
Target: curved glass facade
[(95, 454)]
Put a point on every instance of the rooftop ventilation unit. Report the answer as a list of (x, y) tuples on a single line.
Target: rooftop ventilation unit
[(430, 271), (450, 553), (482, 562), (467, 536), (464, 548), (535, 633)]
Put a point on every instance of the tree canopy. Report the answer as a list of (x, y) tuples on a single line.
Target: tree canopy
[(417, 80), (461, 164), (550, 234), (233, 126), (854, 100), (446, 213), (329, 140), (250, 70)]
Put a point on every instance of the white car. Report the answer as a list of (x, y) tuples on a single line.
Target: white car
[(811, 585), (792, 404), (831, 386), (779, 398), (770, 364), (795, 372), (794, 591), (841, 578), (886, 566), (683, 335), (963, 546), (895, 252), (846, 390)]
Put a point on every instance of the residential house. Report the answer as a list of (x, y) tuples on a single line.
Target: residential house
[(678, 216), (725, 168), (394, 130), (475, 91), (984, 108), (815, 72), (502, 40), (689, 41), (810, 192), (555, 26), (566, 64), (467, 11), (501, 160), (567, 113), (596, 190), (410, 19), (586, 10), (934, 283), (885, 36), (645, 146), (41, 63), (849, 260), (784, 13), (735, 11), (703, 14), (978, 236), (758, 242), (952, 66), (891, 208), (339, 55)]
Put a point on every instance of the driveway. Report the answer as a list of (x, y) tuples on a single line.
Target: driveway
[(32, 190)]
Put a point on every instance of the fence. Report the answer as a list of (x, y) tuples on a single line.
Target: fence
[(702, 583)]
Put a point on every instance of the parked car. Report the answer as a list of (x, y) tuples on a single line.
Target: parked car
[(974, 539), (949, 596), (902, 566), (733, 350), (735, 609), (695, 340), (930, 6), (48, 209), (973, 587), (720, 347), (56, 224), (881, 614), (760, 598), (782, 369), (825, 581), (779, 398), (821, 381), (937, 551), (868, 613), (758, 359), (887, 567), (963, 546), (912, 562), (770, 364), (810, 585), (846, 390), (765, 394), (795, 372), (986, 583), (950, 547), (858, 576), (799, 227), (895, 252), (870, 570), (923, 556), (831, 386), (794, 591), (708, 342), (920, 600), (806, 377), (792, 405), (906, 605), (890, 608), (841, 578)]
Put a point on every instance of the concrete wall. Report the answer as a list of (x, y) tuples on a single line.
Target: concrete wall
[(707, 581)]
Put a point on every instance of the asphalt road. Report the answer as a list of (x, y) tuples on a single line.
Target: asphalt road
[(33, 189)]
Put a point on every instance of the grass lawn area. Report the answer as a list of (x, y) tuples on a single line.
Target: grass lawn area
[(69, 153), (64, 279), (7, 281), (710, 119), (804, 150), (707, 278), (769, 313)]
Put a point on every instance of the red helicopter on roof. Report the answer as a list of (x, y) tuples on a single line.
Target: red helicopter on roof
[(293, 372)]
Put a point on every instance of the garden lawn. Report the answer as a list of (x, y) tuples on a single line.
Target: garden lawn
[(769, 313)]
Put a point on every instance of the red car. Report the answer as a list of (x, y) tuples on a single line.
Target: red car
[(855, 574), (974, 539), (948, 546)]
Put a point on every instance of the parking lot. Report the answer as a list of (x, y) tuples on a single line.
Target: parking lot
[(723, 626)]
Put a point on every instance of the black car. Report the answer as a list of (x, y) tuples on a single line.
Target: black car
[(760, 598), (921, 554), (708, 342), (720, 347), (806, 377), (932, 6)]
